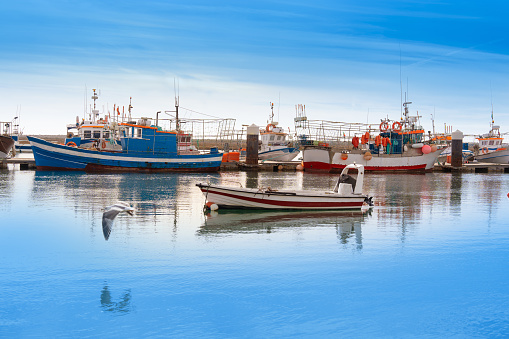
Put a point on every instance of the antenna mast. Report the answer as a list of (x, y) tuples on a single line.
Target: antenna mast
[(177, 99), (95, 111)]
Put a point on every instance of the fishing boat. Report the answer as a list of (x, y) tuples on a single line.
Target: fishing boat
[(274, 145), (399, 147), (145, 147), (491, 148), (6, 144), (347, 194), (6, 140)]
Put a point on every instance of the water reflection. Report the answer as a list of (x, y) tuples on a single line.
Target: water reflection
[(121, 306), (347, 223)]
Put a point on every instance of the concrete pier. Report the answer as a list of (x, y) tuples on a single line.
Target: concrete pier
[(253, 132), (457, 149)]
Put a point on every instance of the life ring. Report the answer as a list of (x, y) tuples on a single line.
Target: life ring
[(396, 126), (484, 150), (103, 145), (71, 144), (384, 126), (270, 127)]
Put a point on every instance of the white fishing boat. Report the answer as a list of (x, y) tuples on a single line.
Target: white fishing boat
[(274, 144), (347, 194), (399, 147), (491, 147)]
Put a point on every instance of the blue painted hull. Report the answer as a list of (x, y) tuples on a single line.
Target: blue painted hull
[(49, 156)]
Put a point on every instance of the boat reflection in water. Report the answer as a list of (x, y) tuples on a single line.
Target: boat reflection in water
[(347, 223)]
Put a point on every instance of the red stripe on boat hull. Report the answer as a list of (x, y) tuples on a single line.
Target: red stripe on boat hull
[(337, 168)]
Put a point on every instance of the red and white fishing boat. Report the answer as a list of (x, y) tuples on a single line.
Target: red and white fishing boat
[(347, 194), (398, 147)]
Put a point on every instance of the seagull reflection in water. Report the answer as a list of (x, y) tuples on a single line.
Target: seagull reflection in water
[(122, 306)]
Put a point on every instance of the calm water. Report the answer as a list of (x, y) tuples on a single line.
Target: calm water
[(430, 260)]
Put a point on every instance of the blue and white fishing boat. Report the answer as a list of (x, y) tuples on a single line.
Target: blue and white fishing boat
[(144, 148), (274, 146)]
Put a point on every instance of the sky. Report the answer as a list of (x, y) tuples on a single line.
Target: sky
[(350, 61)]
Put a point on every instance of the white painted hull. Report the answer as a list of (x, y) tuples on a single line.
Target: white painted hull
[(318, 160), (280, 154), (497, 157), (231, 197)]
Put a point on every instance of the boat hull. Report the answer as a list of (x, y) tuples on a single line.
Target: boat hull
[(50, 156), (496, 157), (281, 154), (6, 144), (229, 197), (317, 160)]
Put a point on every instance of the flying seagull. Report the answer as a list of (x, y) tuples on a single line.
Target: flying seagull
[(111, 212)]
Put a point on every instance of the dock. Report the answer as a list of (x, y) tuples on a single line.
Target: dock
[(292, 166), (24, 163), (473, 167)]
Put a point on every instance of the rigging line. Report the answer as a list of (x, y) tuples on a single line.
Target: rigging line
[(208, 115)]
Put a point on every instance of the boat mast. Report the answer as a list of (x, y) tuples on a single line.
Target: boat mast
[(130, 107), (95, 111)]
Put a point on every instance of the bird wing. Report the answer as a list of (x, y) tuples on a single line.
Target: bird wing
[(108, 218)]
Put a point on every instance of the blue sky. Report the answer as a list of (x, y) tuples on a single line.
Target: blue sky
[(342, 59)]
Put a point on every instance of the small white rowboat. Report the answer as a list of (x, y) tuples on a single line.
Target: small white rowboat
[(347, 194)]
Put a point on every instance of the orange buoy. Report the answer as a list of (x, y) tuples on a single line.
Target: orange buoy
[(71, 143), (344, 156), (367, 156)]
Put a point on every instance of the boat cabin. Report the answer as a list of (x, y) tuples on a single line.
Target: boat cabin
[(492, 140)]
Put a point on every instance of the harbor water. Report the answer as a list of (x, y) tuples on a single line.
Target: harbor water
[(431, 259)]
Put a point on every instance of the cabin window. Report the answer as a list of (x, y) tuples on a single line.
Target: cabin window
[(278, 137), (106, 134), (137, 132), (491, 142), (271, 138), (87, 134), (97, 134)]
